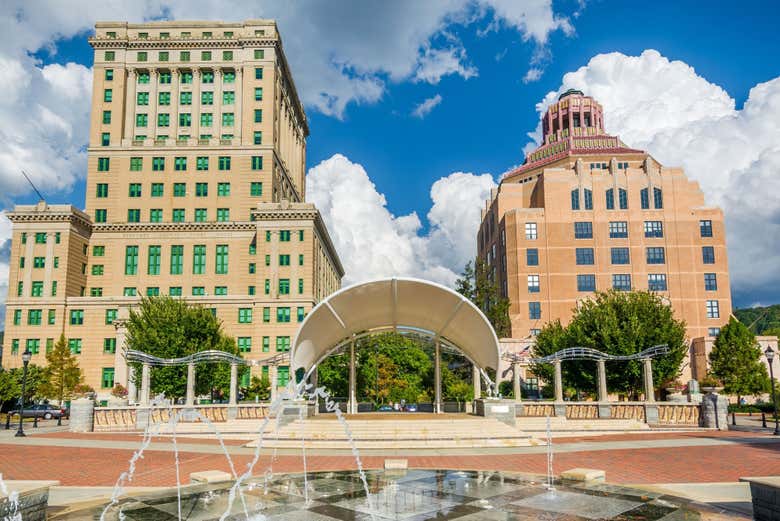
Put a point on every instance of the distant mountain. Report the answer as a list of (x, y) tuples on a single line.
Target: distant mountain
[(760, 319)]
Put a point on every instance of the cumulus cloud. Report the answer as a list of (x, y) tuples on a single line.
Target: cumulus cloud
[(437, 63), (372, 242), (533, 74), (665, 107), (425, 108)]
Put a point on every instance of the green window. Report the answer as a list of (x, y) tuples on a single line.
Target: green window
[(266, 315), (108, 95), (268, 236), (163, 56), (223, 214), (259, 54), (227, 119), (111, 315), (284, 235), (157, 189), (142, 98), (178, 215), (282, 344), (223, 189), (49, 345), (186, 76), (109, 56), (143, 78), (252, 249), (222, 259), (201, 189), (131, 260), (101, 190), (201, 215), (33, 345), (244, 315), (252, 268), (258, 115), (206, 98), (152, 291), (257, 138), (224, 163), (104, 164), (17, 317), (97, 269), (300, 259), (156, 215), (34, 317), (109, 345), (56, 240), (141, 120), (180, 164), (101, 215), (185, 98), (206, 56), (37, 288), (106, 117), (228, 97), (136, 164), (284, 260), (21, 262), (53, 288), (199, 259), (283, 314), (266, 345), (300, 235), (163, 120), (134, 215), (40, 238), (98, 251), (142, 56), (267, 260), (15, 346), (220, 291), (202, 163), (158, 164), (284, 286), (300, 286), (184, 56), (39, 262), (198, 291), (206, 119), (179, 189), (130, 292), (301, 314), (258, 73), (177, 259), (164, 98), (250, 290), (244, 344), (267, 286), (228, 56), (77, 317), (109, 76), (257, 162), (105, 139), (165, 77), (185, 120), (258, 93), (95, 292), (52, 317), (174, 291), (153, 266), (134, 190), (107, 377)]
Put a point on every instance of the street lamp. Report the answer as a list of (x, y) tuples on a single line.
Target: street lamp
[(770, 355), (25, 360)]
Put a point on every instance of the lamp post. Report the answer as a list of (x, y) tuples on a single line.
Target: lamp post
[(25, 360), (770, 355)]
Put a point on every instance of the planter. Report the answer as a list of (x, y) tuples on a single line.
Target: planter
[(117, 402), (714, 390)]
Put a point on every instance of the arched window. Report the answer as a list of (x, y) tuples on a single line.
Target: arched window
[(658, 198), (644, 197), (623, 197), (575, 199), (588, 199), (610, 199)]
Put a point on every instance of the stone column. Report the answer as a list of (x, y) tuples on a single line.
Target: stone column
[(351, 402), (152, 110), (648, 376), (516, 381), (196, 103), (132, 389), (272, 377), (190, 399), (476, 381), (145, 381), (233, 384), (121, 369), (217, 122), (127, 132), (174, 104), (558, 382), (602, 370), (437, 405), (238, 106)]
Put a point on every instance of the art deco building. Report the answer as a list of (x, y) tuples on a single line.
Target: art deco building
[(586, 212), (195, 188)]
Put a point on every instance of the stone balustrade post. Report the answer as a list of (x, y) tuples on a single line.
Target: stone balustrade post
[(190, 399), (145, 384), (516, 382), (602, 374), (558, 381), (233, 384), (648, 380), (437, 405), (476, 381)]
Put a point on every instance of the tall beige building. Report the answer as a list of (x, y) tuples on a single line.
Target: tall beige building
[(585, 212), (195, 188)]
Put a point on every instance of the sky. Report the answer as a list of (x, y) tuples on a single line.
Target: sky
[(417, 108)]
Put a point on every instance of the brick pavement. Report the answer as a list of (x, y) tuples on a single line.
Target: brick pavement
[(86, 465)]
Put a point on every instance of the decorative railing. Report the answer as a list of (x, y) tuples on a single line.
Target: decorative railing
[(538, 409), (114, 419), (627, 411), (127, 418), (678, 414), (582, 411)]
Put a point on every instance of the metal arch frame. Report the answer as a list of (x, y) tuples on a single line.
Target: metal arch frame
[(207, 356), (586, 353)]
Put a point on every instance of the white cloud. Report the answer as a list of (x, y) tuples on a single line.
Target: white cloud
[(372, 242), (425, 108), (533, 74), (436, 63), (684, 120)]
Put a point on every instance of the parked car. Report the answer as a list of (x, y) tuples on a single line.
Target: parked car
[(46, 411), (385, 408), (411, 407)]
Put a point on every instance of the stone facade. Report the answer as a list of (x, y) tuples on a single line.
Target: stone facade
[(195, 188)]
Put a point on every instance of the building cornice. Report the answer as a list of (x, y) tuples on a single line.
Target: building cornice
[(185, 227), (44, 213)]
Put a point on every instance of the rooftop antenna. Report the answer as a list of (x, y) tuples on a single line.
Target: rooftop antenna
[(33, 186)]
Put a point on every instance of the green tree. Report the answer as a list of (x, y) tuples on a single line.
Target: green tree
[(736, 361), (62, 372), (394, 367), (170, 328), (616, 323), (333, 375), (760, 320), (478, 285), (260, 388), (9, 386), (35, 378)]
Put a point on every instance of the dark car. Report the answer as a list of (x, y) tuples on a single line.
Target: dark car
[(411, 407), (46, 411), (385, 408)]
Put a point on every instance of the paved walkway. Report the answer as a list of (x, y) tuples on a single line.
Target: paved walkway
[(99, 459)]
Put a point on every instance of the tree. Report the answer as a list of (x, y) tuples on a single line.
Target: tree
[(394, 367), (260, 388), (9, 387), (616, 323), (62, 372), (736, 361), (478, 285), (170, 328), (35, 378)]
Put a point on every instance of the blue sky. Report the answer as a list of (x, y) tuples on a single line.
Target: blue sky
[(482, 122)]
